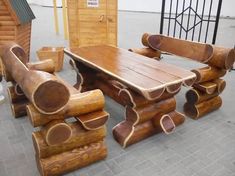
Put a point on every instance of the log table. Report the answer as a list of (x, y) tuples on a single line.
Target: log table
[(146, 88)]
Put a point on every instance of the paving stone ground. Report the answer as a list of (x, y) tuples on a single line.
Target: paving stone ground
[(198, 148)]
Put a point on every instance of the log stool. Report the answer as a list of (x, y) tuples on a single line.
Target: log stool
[(60, 145), (204, 97)]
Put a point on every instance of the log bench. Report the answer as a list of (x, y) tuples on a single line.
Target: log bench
[(146, 88), (60, 145), (204, 97)]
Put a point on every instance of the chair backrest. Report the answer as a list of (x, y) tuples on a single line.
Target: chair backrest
[(195, 20)]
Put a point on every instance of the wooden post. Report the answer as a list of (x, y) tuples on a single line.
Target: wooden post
[(56, 17), (65, 19)]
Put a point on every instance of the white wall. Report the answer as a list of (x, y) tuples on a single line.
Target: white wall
[(153, 5), (45, 2)]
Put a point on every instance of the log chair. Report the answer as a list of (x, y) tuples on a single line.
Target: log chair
[(60, 146), (204, 97)]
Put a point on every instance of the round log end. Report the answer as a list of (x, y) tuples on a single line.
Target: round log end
[(198, 76), (145, 39), (58, 134), (192, 96), (167, 124), (230, 59), (50, 97), (190, 110), (221, 86)]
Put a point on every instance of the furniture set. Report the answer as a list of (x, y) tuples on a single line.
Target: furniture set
[(72, 118)]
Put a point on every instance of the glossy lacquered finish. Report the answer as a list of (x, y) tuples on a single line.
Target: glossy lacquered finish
[(148, 77), (146, 88), (204, 98)]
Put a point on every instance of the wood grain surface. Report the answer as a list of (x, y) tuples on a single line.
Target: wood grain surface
[(148, 77)]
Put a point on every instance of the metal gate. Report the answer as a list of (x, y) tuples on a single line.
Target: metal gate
[(195, 20)]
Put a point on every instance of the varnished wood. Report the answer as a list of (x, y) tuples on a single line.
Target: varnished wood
[(93, 121), (148, 52), (56, 132), (54, 53), (145, 113), (78, 105), (80, 137), (72, 160), (45, 65), (206, 74), (145, 87), (194, 96), (196, 111), (19, 108), (129, 68), (205, 53), (13, 96), (44, 90)]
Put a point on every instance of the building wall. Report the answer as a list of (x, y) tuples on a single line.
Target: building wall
[(7, 24), (152, 5), (155, 6)]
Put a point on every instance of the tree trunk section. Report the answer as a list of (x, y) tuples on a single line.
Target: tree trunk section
[(72, 160), (80, 137)]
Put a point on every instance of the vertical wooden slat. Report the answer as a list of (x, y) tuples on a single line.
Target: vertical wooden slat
[(56, 17), (65, 19)]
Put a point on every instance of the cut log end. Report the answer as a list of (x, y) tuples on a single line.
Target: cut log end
[(19, 109), (192, 96), (58, 134), (206, 74), (51, 97), (230, 59), (199, 110), (167, 124), (145, 39), (191, 111)]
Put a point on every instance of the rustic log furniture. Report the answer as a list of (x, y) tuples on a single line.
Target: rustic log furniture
[(60, 145), (204, 97), (15, 23), (145, 87)]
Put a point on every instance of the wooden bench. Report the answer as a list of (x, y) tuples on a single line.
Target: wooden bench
[(204, 97), (49, 101), (146, 88)]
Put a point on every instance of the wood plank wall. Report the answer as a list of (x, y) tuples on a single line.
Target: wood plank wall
[(85, 27)]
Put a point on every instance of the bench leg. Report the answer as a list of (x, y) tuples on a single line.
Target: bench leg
[(204, 98)]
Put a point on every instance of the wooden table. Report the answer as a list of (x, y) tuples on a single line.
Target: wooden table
[(145, 87)]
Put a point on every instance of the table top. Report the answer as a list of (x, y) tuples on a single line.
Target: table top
[(146, 76)]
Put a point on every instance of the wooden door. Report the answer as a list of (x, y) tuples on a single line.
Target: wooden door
[(92, 22)]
